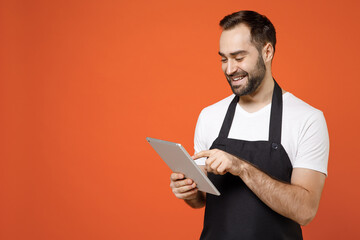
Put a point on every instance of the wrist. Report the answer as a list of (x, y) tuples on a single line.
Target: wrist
[(241, 168), (235, 166), (198, 201)]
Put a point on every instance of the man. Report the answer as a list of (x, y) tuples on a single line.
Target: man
[(263, 148)]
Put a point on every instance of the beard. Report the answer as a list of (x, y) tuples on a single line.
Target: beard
[(255, 78)]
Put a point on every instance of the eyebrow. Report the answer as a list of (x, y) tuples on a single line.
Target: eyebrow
[(243, 52)]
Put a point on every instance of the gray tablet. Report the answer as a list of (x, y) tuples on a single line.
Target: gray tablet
[(176, 157)]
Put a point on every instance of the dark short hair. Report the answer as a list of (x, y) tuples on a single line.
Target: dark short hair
[(262, 30)]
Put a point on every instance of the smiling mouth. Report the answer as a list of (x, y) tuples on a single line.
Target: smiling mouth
[(238, 77)]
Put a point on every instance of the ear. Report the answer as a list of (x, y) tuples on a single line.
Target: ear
[(268, 52)]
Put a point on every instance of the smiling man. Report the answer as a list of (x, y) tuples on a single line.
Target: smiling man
[(263, 148)]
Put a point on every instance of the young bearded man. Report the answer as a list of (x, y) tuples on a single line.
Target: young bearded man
[(263, 148)]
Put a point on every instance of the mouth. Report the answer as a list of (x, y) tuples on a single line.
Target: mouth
[(238, 79)]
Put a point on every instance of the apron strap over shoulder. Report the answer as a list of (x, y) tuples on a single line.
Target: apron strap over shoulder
[(276, 115), (225, 128)]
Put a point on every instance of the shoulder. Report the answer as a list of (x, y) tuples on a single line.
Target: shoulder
[(209, 123), (218, 108), (308, 133), (305, 134), (211, 117), (303, 121), (298, 110)]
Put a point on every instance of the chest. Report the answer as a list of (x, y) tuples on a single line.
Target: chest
[(255, 127)]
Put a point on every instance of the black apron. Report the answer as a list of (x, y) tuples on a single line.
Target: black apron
[(238, 213)]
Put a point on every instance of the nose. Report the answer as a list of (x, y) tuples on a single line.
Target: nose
[(231, 67)]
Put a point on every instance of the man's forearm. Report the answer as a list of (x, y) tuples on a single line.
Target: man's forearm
[(291, 201), (197, 202)]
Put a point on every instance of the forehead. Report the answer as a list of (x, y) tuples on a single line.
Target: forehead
[(235, 39)]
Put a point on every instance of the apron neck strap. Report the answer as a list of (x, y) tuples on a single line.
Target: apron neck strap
[(225, 128), (275, 116)]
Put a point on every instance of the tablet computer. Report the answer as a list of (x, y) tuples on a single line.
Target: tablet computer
[(176, 157)]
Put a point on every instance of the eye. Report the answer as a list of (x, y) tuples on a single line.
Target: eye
[(224, 60), (239, 59)]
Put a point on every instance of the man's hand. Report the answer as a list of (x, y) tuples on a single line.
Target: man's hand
[(220, 162), (183, 188)]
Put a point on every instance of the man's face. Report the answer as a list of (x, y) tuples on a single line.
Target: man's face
[(242, 64)]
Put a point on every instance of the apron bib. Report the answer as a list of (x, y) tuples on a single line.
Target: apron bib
[(238, 213)]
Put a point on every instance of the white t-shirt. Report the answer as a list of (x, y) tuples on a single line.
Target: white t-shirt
[(304, 132)]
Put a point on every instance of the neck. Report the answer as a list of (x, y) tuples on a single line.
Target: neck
[(260, 97)]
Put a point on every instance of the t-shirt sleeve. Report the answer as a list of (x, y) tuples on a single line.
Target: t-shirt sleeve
[(199, 142), (313, 148)]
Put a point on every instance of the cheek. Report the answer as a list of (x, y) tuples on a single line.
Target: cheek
[(223, 67), (248, 66), (245, 66)]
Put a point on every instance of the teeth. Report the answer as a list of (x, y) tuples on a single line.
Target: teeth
[(238, 78)]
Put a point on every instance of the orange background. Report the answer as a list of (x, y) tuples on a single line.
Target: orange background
[(82, 83)]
